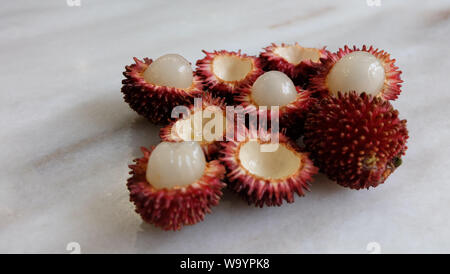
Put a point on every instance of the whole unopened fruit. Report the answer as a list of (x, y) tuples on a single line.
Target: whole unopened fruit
[(357, 140)]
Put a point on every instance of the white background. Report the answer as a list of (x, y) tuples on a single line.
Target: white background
[(67, 136)]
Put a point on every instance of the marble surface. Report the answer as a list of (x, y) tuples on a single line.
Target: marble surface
[(67, 136)]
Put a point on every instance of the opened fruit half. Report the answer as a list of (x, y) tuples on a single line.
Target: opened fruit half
[(173, 185), (276, 89), (294, 60), (266, 173), (366, 70), (154, 88), (205, 123), (223, 72)]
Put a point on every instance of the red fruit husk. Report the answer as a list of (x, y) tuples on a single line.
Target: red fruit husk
[(211, 149), (299, 73), (152, 101), (291, 116), (170, 209), (356, 140), (266, 191), (392, 83), (222, 88)]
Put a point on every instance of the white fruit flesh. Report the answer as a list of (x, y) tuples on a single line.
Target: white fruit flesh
[(231, 68), (170, 70), (175, 164), (269, 165), (273, 88), (211, 126), (359, 71), (295, 54)]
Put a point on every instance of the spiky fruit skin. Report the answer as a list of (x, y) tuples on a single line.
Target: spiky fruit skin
[(261, 191), (356, 140), (299, 73), (225, 89), (171, 209), (291, 117), (152, 101), (392, 83), (211, 149)]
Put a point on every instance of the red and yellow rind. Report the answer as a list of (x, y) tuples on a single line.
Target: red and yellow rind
[(392, 83), (170, 209), (152, 101), (355, 139), (265, 191), (219, 87)]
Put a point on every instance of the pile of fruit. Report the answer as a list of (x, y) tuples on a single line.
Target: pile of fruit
[(333, 116)]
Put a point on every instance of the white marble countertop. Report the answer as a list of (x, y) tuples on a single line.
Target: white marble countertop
[(67, 136)]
